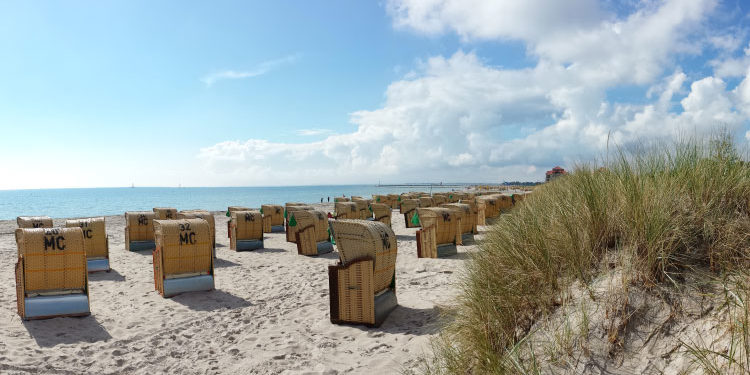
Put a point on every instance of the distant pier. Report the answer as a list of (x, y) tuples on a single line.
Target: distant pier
[(423, 185)]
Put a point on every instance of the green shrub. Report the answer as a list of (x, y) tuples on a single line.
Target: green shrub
[(664, 210)]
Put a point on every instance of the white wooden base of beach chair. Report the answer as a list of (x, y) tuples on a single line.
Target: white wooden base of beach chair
[(44, 307), (97, 265), (247, 245), (142, 245), (173, 287)]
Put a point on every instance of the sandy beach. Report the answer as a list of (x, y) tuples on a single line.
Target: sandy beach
[(269, 314)]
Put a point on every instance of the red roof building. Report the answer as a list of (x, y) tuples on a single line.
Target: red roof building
[(555, 173)]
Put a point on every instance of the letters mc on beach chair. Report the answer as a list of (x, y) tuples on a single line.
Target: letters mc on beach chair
[(247, 231), (95, 242), (208, 217), (139, 231), (34, 222)]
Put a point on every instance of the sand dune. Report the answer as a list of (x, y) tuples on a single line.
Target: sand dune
[(269, 314)]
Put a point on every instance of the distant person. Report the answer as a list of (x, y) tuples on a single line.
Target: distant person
[(329, 199), (321, 199)]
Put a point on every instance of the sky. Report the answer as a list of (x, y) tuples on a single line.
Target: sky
[(274, 93)]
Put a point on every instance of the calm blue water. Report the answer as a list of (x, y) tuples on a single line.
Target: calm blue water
[(65, 203)]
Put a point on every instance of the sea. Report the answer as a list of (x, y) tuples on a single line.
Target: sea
[(73, 203)]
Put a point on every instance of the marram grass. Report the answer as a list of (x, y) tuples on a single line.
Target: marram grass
[(667, 210)]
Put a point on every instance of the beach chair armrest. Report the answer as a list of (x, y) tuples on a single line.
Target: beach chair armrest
[(20, 287)]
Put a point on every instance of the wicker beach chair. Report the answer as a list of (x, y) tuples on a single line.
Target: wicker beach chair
[(247, 231), (468, 221), (363, 207), (34, 222), (492, 205), (165, 213), (208, 217), (477, 210), (363, 283), (183, 260), (51, 277), (311, 232), (382, 213), (394, 200), (95, 242), (345, 210), (506, 202), (380, 198), (438, 199), (273, 218), (439, 234), (409, 210), (291, 230), (139, 231), (426, 202), (341, 199), (231, 209)]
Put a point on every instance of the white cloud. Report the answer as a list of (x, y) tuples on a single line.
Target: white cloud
[(458, 118), (526, 20), (312, 132), (259, 70)]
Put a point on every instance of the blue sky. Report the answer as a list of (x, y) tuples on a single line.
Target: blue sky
[(293, 93)]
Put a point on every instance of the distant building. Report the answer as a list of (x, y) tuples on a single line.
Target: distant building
[(555, 173)]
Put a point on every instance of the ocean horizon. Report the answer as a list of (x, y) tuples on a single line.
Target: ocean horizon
[(107, 201)]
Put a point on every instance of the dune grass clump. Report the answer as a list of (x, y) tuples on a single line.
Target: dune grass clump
[(658, 213)]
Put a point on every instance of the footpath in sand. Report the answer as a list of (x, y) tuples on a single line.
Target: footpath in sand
[(269, 314)]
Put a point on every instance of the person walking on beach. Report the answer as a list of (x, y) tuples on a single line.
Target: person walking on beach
[(329, 199), (321, 199)]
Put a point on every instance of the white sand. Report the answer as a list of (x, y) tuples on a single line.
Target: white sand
[(269, 314)]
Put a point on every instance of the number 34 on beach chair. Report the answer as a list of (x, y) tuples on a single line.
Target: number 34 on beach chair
[(51, 277)]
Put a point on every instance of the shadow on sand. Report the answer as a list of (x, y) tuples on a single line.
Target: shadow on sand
[(268, 250), (142, 252), (112, 275), (210, 300), (458, 256), (406, 237), (56, 331), (332, 255), (222, 263), (410, 321)]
